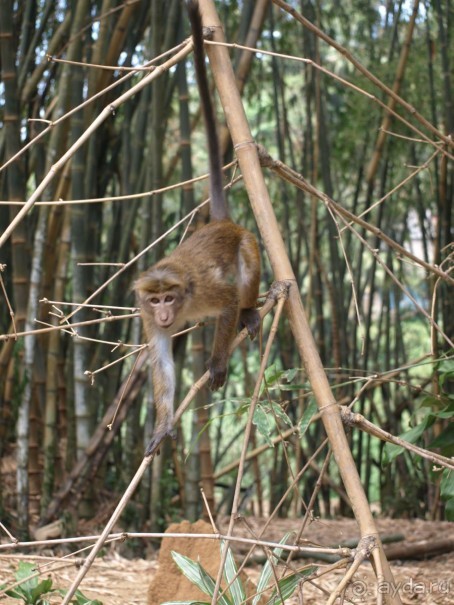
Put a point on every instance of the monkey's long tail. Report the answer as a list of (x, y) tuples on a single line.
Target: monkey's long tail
[(219, 209)]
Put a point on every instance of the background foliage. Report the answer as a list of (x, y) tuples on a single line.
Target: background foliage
[(65, 64)]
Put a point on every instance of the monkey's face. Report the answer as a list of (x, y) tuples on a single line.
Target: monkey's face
[(163, 307)]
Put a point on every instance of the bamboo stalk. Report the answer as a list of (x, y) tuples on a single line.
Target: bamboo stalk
[(269, 229)]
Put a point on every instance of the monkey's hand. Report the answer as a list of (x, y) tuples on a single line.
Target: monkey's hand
[(158, 436), (250, 319)]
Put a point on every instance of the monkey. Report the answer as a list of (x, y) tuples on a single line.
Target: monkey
[(214, 273)]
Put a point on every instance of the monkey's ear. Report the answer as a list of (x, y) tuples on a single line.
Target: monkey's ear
[(189, 287), (137, 285)]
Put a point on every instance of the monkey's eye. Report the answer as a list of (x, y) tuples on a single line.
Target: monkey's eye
[(169, 298), (153, 300)]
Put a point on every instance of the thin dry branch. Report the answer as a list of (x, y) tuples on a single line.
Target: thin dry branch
[(249, 162), (298, 179), (107, 112), (65, 327), (122, 198), (52, 124), (406, 180), (126, 535), (392, 101), (100, 440), (280, 293), (362, 552), (117, 68), (269, 303), (369, 75), (354, 419), (424, 138), (283, 498)]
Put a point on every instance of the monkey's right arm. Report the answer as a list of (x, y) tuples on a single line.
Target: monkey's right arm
[(163, 377)]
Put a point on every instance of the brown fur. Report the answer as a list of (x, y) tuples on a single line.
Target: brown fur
[(214, 273)]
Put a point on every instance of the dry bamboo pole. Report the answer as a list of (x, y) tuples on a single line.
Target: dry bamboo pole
[(249, 162), (447, 139), (107, 112), (135, 481), (392, 102)]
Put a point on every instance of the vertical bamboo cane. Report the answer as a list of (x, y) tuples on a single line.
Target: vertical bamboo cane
[(249, 162)]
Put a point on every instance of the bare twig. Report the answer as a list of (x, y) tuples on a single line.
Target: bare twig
[(354, 419), (369, 75), (297, 179), (280, 294), (65, 327), (145, 463), (107, 112)]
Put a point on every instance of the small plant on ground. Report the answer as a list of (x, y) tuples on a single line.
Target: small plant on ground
[(236, 594), (32, 591)]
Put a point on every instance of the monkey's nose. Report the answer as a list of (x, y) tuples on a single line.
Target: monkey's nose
[(165, 321)]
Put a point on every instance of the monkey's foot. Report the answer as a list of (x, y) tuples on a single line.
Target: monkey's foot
[(157, 438), (218, 374), (250, 319)]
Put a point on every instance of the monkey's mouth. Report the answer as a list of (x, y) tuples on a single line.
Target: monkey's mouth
[(166, 324)]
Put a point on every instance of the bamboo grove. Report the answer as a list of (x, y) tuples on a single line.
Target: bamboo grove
[(103, 169)]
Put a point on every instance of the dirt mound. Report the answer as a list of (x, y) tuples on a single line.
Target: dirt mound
[(116, 580), (169, 583)]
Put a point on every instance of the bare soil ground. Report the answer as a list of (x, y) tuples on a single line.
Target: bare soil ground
[(116, 580)]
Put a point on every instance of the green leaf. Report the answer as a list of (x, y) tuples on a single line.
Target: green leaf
[(211, 585), (445, 371), (31, 589), (16, 593), (294, 387), (279, 413), (79, 598), (447, 484), (288, 584), (23, 572), (43, 587), (190, 569), (430, 402), (262, 422), (197, 575), (290, 374), (446, 413), (286, 588), (272, 375), (267, 570), (449, 510), (445, 439), (275, 378), (310, 410), (412, 436), (233, 580), (207, 581)]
